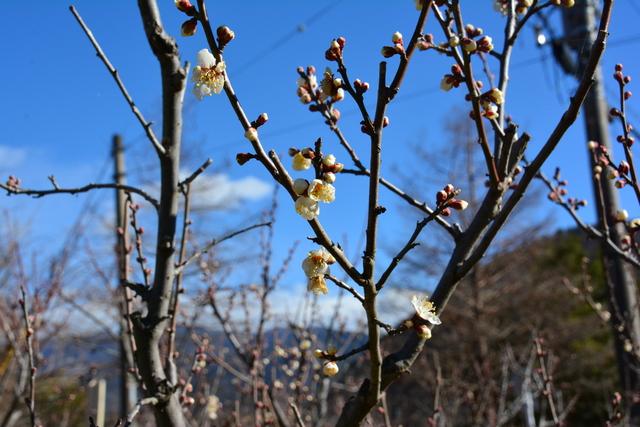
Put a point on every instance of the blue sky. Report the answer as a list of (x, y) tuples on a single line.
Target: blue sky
[(61, 106)]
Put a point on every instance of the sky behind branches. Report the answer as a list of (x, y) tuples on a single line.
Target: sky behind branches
[(61, 106)]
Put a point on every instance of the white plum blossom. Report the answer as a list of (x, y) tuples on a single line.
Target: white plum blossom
[(307, 208), (213, 406), (317, 262), (321, 191), (208, 75), (300, 162), (425, 309), (315, 266)]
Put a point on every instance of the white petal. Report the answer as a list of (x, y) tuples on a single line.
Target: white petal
[(206, 59)]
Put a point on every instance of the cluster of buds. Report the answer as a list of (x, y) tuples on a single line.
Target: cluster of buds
[(603, 162), (334, 53), (559, 190), (330, 88), (445, 200), (307, 84), (452, 80), (490, 101), (360, 86), (315, 266), (208, 75), (397, 48), (623, 81), (12, 182), (565, 3), (425, 42), (185, 399), (473, 41), (188, 27), (200, 361), (321, 188)]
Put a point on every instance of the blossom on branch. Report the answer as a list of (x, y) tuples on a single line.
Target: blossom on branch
[(321, 191), (307, 208), (452, 80), (315, 266), (208, 75), (425, 309), (299, 162)]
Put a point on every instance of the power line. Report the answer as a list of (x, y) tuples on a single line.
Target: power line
[(286, 37)]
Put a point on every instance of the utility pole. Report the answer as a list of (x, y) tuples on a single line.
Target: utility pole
[(580, 26), (128, 381)]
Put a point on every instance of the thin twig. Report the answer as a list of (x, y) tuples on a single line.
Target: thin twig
[(296, 413), (114, 73), (215, 242), (29, 332)]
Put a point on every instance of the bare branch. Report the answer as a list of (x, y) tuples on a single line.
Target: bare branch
[(10, 189)]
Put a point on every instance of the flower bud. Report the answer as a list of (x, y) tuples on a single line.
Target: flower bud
[(189, 27), (262, 119), (242, 158), (454, 40), (441, 196), (622, 215), (186, 7), (459, 205), (300, 186), (329, 177), (423, 332), (396, 37), (305, 345), (330, 369), (329, 160), (388, 51), (469, 45), (225, 35)]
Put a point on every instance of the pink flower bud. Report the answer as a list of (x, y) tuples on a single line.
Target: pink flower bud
[(243, 158), (225, 35), (189, 27), (186, 7)]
